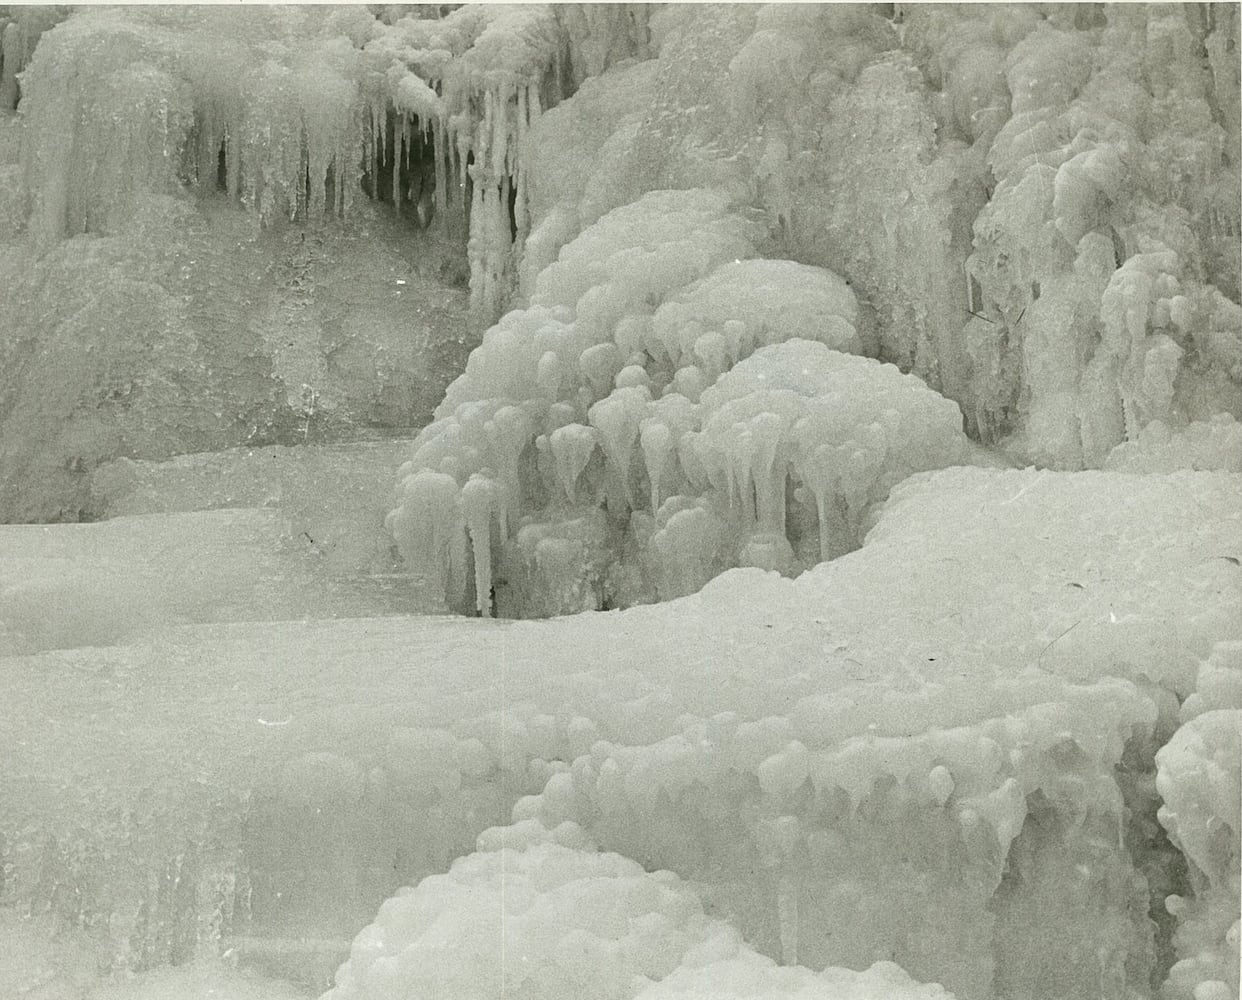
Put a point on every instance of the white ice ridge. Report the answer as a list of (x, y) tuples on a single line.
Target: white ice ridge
[(662, 410)]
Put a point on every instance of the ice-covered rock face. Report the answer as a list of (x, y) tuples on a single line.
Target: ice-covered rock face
[(662, 410)]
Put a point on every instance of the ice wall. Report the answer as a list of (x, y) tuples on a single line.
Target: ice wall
[(186, 331)]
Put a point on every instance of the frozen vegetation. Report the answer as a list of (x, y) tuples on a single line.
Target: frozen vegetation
[(821, 579)]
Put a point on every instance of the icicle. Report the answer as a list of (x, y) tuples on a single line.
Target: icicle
[(497, 122), (787, 914), (428, 531), (478, 500), (766, 429), (398, 146), (461, 149), (616, 418), (508, 433), (443, 153), (778, 842), (572, 446), (657, 443), (600, 364), (816, 474), (475, 248)]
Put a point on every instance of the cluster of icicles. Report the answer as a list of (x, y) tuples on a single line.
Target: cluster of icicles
[(666, 407), (421, 107)]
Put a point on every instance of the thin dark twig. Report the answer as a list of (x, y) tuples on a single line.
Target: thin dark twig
[(1058, 639)]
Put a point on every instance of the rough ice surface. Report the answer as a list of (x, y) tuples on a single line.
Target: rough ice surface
[(879, 364)]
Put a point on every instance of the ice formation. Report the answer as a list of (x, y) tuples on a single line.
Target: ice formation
[(750, 276), (663, 409)]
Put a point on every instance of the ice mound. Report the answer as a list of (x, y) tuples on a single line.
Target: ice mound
[(837, 431), (559, 920), (547, 922), (1199, 779), (649, 419)]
